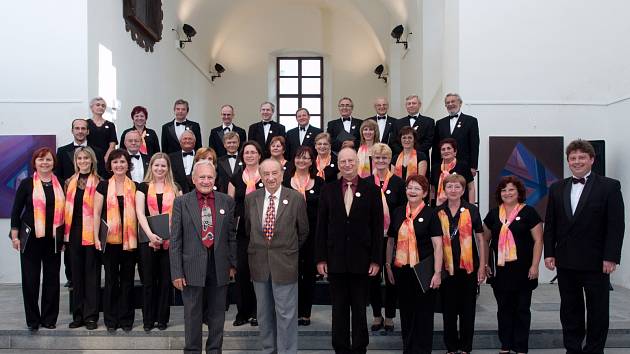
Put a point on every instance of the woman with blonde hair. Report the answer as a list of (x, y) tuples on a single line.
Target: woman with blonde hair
[(369, 135)]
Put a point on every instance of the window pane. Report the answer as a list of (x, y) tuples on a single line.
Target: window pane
[(311, 67), (289, 122), (288, 86), (288, 105), (316, 121), (311, 86), (312, 104), (288, 67)]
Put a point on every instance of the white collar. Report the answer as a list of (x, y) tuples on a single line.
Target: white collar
[(231, 126), (83, 144), (276, 194), (586, 176)]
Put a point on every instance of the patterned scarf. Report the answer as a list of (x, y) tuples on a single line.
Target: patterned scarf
[(507, 246), (446, 170), (143, 146), (321, 165), (465, 241), (406, 246), (250, 181), (377, 181), (300, 186), (168, 196), (117, 235), (412, 164), (364, 161), (87, 208), (39, 205)]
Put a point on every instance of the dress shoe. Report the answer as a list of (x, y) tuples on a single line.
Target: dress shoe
[(253, 322), (304, 322), (388, 328), (238, 322), (91, 325), (148, 327), (161, 326), (377, 326), (111, 330), (127, 329), (33, 329), (76, 324), (49, 326)]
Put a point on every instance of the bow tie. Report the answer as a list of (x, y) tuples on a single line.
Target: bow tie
[(578, 180), (302, 129), (226, 129), (184, 154), (412, 117), (177, 124), (453, 116), (78, 146), (383, 117), (137, 157), (231, 156), (266, 123), (349, 119)]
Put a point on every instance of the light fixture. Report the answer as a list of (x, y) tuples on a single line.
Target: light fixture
[(397, 32), (379, 71), (219, 69), (189, 32)]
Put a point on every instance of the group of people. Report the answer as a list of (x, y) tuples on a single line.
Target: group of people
[(360, 204)]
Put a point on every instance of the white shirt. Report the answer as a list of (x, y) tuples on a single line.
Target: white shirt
[(576, 192), (413, 118), (137, 172), (381, 126), (453, 122), (179, 129), (266, 129), (188, 162), (276, 202), (232, 162), (84, 144), (302, 133), (230, 127), (347, 124)]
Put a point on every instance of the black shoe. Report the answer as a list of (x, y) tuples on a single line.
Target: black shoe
[(68, 284), (238, 322), (304, 322), (111, 330), (388, 328), (49, 326), (376, 326), (148, 327), (33, 329), (253, 322), (127, 329), (161, 326), (91, 325), (76, 324)]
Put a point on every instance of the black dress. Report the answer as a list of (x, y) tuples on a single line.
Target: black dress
[(421, 156), (416, 307), (306, 265), (461, 168), (151, 139), (102, 136)]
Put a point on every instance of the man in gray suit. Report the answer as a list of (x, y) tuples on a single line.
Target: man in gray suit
[(203, 255), (277, 225)]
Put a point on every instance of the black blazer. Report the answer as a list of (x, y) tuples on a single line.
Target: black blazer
[(65, 164), (338, 134), (257, 133), (215, 141), (293, 140), (466, 133), (593, 234), (424, 127), (350, 243), (151, 138), (179, 172), (224, 173), (389, 136), (170, 143)]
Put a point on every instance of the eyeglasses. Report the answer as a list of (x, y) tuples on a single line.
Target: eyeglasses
[(345, 106)]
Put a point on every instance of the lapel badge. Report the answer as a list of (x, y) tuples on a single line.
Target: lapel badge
[(221, 211), (462, 209), (240, 163), (260, 184), (357, 194), (270, 131), (285, 202), (354, 127), (388, 192), (420, 219), (106, 126), (311, 191), (518, 218), (214, 188), (332, 165), (187, 128)]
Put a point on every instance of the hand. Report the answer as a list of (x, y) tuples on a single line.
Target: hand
[(97, 244), (373, 270), (154, 238), (481, 275), (440, 199), (436, 280), (609, 267), (322, 268), (550, 263), (390, 274), (473, 171), (533, 272), (15, 243), (179, 283), (232, 273)]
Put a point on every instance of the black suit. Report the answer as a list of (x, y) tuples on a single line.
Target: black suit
[(293, 140), (151, 139), (224, 172), (424, 127), (215, 141), (65, 162), (466, 133), (179, 172), (338, 134), (257, 133), (348, 244), (580, 242), (389, 135), (170, 142)]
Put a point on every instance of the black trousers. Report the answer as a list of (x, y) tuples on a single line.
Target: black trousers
[(86, 269), (576, 286), (416, 312), (118, 309), (245, 296), (376, 295), (459, 298), (156, 284), (40, 259), (306, 278), (514, 318), (349, 294)]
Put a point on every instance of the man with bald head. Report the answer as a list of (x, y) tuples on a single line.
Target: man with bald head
[(386, 124), (216, 140), (348, 249), (182, 161), (277, 225), (139, 161)]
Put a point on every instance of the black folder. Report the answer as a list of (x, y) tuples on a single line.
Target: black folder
[(424, 272), (492, 263), (103, 230), (59, 231), (23, 235), (159, 224)]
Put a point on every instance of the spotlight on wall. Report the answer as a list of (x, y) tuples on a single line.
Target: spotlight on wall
[(219, 69), (397, 32), (379, 71), (189, 32)]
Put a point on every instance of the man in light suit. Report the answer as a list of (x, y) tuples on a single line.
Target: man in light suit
[(276, 220), (216, 139), (203, 255), (584, 228), (302, 135)]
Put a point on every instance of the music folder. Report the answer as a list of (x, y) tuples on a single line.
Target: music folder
[(59, 231), (159, 225), (23, 235), (103, 230), (424, 272)]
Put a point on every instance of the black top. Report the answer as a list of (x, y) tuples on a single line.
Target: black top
[(151, 138), (144, 189), (425, 226), (101, 136), (239, 193), (461, 168), (395, 192), (77, 213), (513, 275), (477, 227), (331, 171), (421, 156), (23, 206), (312, 201)]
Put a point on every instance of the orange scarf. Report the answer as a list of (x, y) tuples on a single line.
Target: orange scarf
[(364, 161), (300, 186), (465, 241), (143, 146), (321, 164), (377, 181), (250, 181), (39, 205), (412, 164), (446, 170), (507, 246), (117, 235), (168, 196), (87, 209), (406, 246)]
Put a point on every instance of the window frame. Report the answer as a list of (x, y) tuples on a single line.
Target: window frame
[(299, 95)]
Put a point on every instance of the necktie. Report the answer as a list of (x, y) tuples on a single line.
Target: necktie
[(302, 129), (270, 218), (349, 119), (184, 154), (137, 157), (231, 157), (453, 116), (226, 129), (207, 227), (177, 124), (578, 180), (347, 198), (383, 117), (265, 123)]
